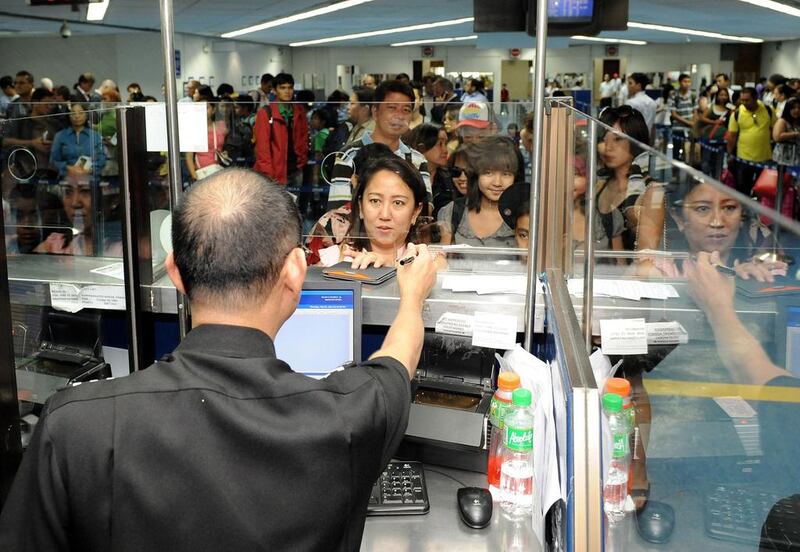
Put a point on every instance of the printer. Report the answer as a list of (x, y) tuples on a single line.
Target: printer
[(69, 352), (448, 423)]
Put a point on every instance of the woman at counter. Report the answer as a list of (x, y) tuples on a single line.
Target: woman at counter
[(476, 220)]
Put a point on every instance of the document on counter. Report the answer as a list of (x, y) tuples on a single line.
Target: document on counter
[(73, 298), (497, 331), (483, 284), (113, 270), (666, 333), (454, 323), (625, 336), (634, 290)]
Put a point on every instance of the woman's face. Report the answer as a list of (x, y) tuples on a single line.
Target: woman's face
[(417, 100), (617, 150), (77, 116), (76, 198), (521, 231), (723, 97), (493, 183), (437, 155), (711, 220), (388, 209), (795, 112), (450, 121), (459, 174)]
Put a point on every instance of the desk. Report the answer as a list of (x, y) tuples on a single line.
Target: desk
[(442, 529)]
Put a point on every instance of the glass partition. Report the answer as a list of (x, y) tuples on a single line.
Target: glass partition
[(694, 287)]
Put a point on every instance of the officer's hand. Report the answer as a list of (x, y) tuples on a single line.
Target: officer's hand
[(417, 278)]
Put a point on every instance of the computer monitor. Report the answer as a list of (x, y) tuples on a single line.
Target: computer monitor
[(787, 334), (570, 11), (324, 332)]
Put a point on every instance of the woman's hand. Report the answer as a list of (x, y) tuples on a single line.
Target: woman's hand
[(762, 272), (366, 258)]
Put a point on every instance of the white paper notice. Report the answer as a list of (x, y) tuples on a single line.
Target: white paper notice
[(735, 407), (623, 336), (114, 270), (666, 333), (498, 331), (455, 324), (329, 256), (485, 284), (71, 298), (624, 289), (192, 126)]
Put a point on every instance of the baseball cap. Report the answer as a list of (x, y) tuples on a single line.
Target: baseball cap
[(474, 114)]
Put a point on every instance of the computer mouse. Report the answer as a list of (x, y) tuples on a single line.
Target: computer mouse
[(655, 522), (475, 506)]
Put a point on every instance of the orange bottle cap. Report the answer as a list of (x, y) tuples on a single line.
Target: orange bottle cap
[(620, 386), (508, 381)]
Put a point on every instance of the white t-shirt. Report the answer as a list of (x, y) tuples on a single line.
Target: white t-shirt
[(607, 89), (646, 106)]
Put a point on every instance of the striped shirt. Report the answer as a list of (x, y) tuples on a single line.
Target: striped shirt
[(341, 191), (684, 106)]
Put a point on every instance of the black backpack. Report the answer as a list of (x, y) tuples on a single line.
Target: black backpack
[(239, 143)]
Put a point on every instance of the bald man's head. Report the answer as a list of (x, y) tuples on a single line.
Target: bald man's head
[(231, 234)]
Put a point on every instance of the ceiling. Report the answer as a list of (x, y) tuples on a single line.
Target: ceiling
[(214, 17)]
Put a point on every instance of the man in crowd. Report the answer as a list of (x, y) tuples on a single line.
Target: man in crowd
[(221, 446), (474, 122), (359, 113), (639, 100), (773, 82), (281, 136), (191, 88), (443, 96), (750, 130), (265, 94), (20, 106), (682, 107), (607, 90), (368, 81), (722, 81), (473, 91), (392, 109), (84, 92), (7, 94)]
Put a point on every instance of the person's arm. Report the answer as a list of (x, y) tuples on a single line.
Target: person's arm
[(706, 117), (779, 133), (56, 159), (740, 352), (403, 341), (261, 139), (189, 158), (733, 133), (98, 153)]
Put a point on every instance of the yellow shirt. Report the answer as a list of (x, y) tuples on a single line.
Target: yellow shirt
[(755, 132)]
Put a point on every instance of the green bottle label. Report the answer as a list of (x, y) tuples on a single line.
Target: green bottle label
[(519, 439), (498, 412), (620, 445)]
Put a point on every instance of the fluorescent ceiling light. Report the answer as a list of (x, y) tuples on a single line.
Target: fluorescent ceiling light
[(776, 6), (679, 30), (610, 40), (385, 31), (97, 11), (297, 17), (434, 40)]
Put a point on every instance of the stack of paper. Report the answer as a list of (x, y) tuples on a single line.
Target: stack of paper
[(484, 284), (625, 289)]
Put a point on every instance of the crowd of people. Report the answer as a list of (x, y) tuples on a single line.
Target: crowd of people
[(60, 144)]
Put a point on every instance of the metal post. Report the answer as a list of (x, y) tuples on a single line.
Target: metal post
[(588, 244), (174, 152), (536, 172)]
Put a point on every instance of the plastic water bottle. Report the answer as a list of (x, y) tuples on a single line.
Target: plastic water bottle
[(516, 472), (622, 387), (507, 382), (615, 489)]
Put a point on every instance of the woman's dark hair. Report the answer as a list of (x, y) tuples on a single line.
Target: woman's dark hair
[(631, 122), (407, 173), (791, 103), (422, 137), (324, 114), (224, 89), (666, 90), (786, 90), (337, 97), (493, 153), (715, 96), (419, 87), (205, 94)]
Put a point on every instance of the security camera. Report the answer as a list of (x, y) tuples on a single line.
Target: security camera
[(65, 31)]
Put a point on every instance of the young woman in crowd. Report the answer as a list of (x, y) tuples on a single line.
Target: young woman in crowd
[(77, 151), (419, 110), (625, 188), (476, 220), (786, 134), (714, 121), (206, 163), (431, 141), (455, 184), (450, 125)]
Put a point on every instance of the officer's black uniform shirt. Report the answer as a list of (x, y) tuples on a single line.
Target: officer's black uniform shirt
[(221, 448)]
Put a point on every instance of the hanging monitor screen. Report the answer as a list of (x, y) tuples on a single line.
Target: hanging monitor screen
[(570, 11)]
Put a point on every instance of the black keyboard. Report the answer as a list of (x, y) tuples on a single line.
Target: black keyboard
[(400, 490), (738, 512)]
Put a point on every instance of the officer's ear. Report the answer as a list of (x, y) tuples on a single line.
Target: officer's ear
[(173, 273), (294, 269)]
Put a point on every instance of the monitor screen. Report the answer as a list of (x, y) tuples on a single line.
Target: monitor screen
[(792, 363), (321, 334), (570, 11)]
